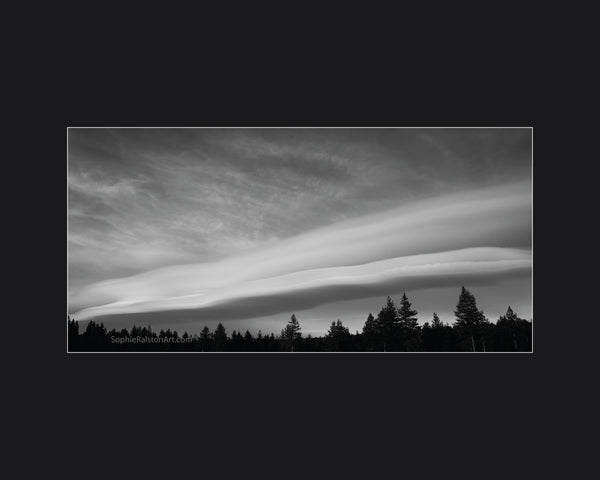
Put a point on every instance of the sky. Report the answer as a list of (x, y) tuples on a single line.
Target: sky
[(182, 228)]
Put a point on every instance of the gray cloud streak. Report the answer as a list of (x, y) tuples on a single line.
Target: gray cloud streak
[(384, 247)]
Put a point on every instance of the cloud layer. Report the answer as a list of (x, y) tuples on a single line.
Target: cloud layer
[(140, 199), (476, 236)]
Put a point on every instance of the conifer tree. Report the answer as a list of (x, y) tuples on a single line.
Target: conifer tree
[(371, 333), (388, 325), (408, 324), (248, 342), (73, 334), (290, 335), (468, 317), (220, 338), (204, 339), (434, 336), (338, 337), (406, 315), (510, 315), (510, 322)]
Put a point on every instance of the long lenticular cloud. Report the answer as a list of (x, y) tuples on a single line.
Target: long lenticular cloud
[(440, 241)]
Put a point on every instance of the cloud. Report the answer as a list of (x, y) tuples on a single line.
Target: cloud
[(202, 194), (481, 235)]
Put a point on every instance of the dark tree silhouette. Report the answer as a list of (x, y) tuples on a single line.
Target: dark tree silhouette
[(338, 337), (390, 331), (290, 335), (388, 325), (220, 338), (95, 334), (437, 337), (236, 344), (509, 321), (512, 333), (371, 334), (409, 325), (469, 319), (205, 339), (248, 342), (73, 334)]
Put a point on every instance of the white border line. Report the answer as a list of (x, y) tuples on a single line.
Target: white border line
[(265, 128), (296, 128)]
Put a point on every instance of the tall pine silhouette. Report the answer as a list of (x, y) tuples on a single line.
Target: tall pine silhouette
[(220, 338), (338, 337), (371, 334), (469, 318), (388, 325), (408, 323), (290, 335)]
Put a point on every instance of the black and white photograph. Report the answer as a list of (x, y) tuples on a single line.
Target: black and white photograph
[(300, 239)]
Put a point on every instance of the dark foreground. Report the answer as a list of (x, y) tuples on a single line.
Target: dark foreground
[(395, 329)]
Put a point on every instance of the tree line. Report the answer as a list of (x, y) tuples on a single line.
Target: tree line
[(394, 329)]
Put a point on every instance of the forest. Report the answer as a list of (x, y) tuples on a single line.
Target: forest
[(394, 329)]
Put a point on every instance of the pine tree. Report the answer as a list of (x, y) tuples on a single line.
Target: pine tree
[(338, 337), (95, 335), (408, 324), (435, 336), (510, 322), (388, 325), (510, 315), (248, 341), (237, 341), (468, 317), (406, 316), (291, 334), (204, 337), (370, 333), (73, 334), (73, 328), (220, 338), (467, 314)]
